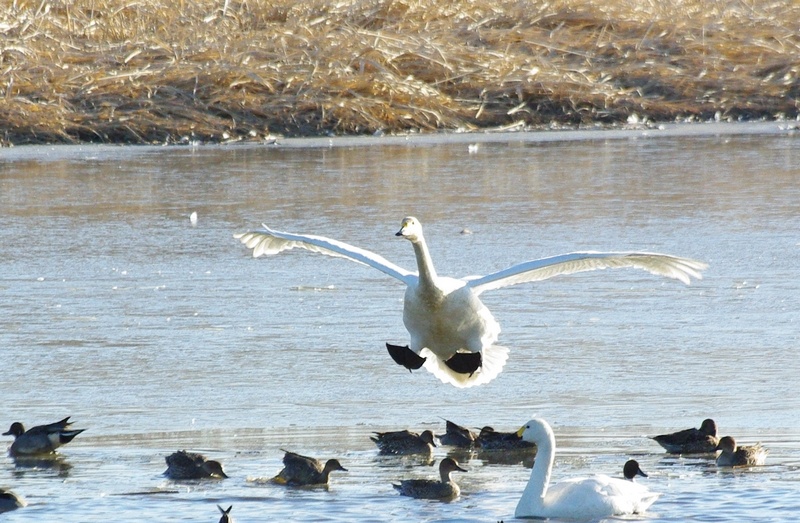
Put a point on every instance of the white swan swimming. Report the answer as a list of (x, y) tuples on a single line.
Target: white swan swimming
[(578, 498), (451, 331)]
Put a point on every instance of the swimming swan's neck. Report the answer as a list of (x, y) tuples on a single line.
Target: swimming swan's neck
[(427, 274), (536, 489)]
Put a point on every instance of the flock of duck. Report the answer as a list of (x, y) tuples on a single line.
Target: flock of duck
[(577, 498), (453, 335)]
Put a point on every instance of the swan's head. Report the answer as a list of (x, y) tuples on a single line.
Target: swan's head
[(410, 229), (536, 431)]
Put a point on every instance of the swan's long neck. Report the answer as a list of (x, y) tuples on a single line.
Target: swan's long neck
[(427, 274), (536, 490)]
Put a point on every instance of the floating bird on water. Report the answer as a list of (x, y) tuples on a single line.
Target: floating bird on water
[(631, 469), (578, 498), (457, 436), (190, 465), (452, 333), (691, 441), (404, 442), (42, 439), (226, 515), (302, 470), (10, 501), (739, 456), (444, 488), (490, 439)]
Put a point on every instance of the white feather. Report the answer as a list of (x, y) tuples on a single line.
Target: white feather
[(444, 315), (578, 498)]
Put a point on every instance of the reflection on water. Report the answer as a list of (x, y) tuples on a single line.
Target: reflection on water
[(159, 335)]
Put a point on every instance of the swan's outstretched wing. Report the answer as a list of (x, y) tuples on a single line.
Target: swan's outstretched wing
[(659, 264), (267, 241)]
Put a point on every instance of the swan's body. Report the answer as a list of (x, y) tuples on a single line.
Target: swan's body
[(580, 498), (740, 456), (447, 323), (42, 439), (691, 441)]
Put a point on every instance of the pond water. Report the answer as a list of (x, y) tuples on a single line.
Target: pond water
[(156, 334)]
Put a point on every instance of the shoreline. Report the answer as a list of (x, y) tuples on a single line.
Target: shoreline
[(673, 130)]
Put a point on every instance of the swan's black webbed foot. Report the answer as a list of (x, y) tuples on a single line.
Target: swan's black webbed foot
[(465, 362), (405, 357)]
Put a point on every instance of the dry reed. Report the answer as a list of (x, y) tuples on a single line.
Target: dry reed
[(173, 71)]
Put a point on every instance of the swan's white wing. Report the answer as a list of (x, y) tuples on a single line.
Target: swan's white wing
[(660, 264), (269, 242)]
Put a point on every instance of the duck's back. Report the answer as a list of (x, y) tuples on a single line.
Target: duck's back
[(428, 489), (687, 441), (300, 471), (185, 465), (743, 456)]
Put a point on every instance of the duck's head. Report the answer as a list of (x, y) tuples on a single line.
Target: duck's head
[(333, 464), (410, 229), (709, 427), (16, 430), (214, 468), (631, 469), (535, 431), (726, 444), (428, 437), (449, 465)]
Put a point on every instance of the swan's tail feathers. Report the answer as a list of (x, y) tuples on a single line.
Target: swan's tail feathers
[(492, 360), (405, 357)]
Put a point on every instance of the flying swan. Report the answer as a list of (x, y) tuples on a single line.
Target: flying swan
[(452, 333)]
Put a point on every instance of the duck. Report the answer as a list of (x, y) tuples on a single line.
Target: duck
[(42, 439), (226, 514), (301, 470), (691, 441), (403, 442), (732, 455), (631, 469), (444, 488), (490, 439), (593, 497), (451, 332), (191, 465), (10, 501), (457, 436)]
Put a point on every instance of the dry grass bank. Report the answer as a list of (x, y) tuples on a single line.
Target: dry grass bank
[(164, 71)]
